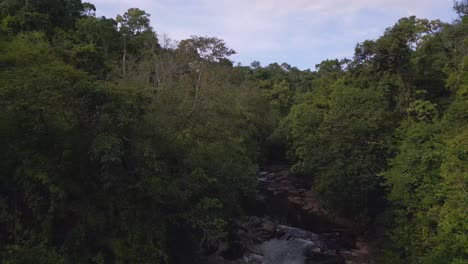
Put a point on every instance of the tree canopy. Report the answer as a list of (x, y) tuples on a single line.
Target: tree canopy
[(117, 148)]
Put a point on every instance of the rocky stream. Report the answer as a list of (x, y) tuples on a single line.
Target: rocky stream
[(289, 226)]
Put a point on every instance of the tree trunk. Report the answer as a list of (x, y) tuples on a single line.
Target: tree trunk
[(124, 58)]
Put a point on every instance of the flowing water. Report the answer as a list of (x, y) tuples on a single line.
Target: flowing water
[(278, 251), (283, 232)]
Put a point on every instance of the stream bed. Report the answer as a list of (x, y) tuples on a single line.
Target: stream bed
[(288, 226)]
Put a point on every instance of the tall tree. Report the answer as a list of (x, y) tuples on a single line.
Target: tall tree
[(132, 24)]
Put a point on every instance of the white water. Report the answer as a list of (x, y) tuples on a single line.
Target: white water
[(279, 251), (290, 248)]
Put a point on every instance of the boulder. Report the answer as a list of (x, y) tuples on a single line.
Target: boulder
[(316, 257)]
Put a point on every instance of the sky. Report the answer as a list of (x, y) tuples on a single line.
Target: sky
[(301, 33)]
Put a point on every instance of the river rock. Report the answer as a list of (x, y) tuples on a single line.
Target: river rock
[(262, 241), (265, 232), (319, 258), (234, 251), (299, 233)]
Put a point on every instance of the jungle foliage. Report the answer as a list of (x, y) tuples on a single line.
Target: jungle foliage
[(119, 147)]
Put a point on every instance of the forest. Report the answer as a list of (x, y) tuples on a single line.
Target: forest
[(118, 146)]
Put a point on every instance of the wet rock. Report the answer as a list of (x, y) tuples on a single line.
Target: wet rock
[(316, 250), (296, 200), (280, 233), (234, 251), (264, 234), (262, 241), (280, 251), (328, 257), (299, 233), (253, 259), (269, 226)]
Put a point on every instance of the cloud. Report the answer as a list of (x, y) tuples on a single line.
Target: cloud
[(280, 29)]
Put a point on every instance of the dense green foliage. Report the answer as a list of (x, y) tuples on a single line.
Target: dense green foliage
[(120, 148), (113, 148), (384, 138)]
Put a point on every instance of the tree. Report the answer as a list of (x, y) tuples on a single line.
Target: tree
[(461, 7), (343, 147), (115, 150), (134, 26), (207, 48), (26, 15), (88, 10)]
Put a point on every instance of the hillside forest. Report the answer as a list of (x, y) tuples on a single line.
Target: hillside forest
[(121, 146)]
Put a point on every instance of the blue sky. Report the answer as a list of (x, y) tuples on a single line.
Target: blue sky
[(299, 32)]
